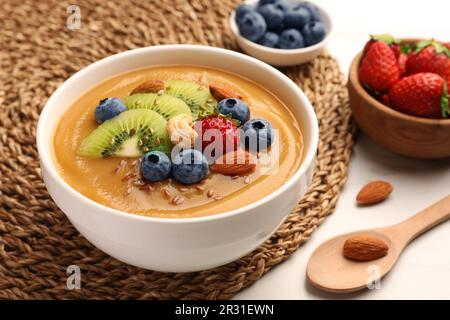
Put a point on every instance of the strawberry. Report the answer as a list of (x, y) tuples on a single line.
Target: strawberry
[(220, 128), (421, 94), (384, 99), (379, 68), (387, 38), (401, 53), (430, 56), (397, 50), (402, 61)]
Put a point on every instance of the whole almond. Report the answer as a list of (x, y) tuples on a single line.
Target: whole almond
[(220, 92), (150, 86), (234, 163), (374, 192), (365, 248)]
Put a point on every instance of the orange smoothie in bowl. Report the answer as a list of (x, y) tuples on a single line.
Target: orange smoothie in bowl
[(114, 178), (109, 155)]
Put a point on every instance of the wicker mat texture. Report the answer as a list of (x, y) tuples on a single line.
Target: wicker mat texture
[(37, 53)]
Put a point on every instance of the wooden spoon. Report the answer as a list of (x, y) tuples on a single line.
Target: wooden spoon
[(329, 270)]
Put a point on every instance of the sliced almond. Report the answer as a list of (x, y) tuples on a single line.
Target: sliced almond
[(374, 192), (220, 92), (234, 163), (365, 248), (150, 86)]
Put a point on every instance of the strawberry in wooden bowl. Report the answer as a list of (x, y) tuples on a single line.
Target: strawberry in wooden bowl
[(399, 95)]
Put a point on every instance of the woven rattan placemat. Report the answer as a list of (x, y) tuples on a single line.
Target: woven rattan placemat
[(37, 53)]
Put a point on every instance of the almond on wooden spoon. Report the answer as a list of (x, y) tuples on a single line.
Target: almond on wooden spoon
[(329, 270)]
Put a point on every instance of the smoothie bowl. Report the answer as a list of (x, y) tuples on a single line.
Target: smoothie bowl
[(125, 154)]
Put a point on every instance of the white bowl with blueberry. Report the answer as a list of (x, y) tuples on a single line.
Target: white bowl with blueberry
[(281, 32)]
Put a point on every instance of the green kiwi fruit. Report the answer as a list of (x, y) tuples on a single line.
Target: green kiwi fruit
[(166, 105), (196, 96), (130, 134)]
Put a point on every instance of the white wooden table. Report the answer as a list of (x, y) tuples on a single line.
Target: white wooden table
[(423, 271)]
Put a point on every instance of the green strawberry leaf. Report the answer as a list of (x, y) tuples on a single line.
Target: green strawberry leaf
[(372, 91), (447, 51), (389, 39), (423, 44), (406, 48), (445, 109), (438, 47)]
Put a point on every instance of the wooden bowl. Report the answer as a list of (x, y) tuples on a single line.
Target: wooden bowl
[(398, 132)]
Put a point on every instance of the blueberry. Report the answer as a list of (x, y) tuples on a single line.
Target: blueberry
[(297, 18), (155, 166), (283, 5), (189, 166), (313, 10), (109, 108), (264, 2), (258, 134), (280, 29), (241, 10), (313, 32), (252, 26), (273, 16), (269, 39), (236, 108), (291, 39)]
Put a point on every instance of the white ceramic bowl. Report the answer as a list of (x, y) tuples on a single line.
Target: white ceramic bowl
[(188, 244), (282, 57)]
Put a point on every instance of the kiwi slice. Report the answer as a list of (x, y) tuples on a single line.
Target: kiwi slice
[(166, 105), (196, 96), (130, 134)]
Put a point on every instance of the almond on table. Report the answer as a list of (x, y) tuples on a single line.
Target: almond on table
[(374, 192)]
